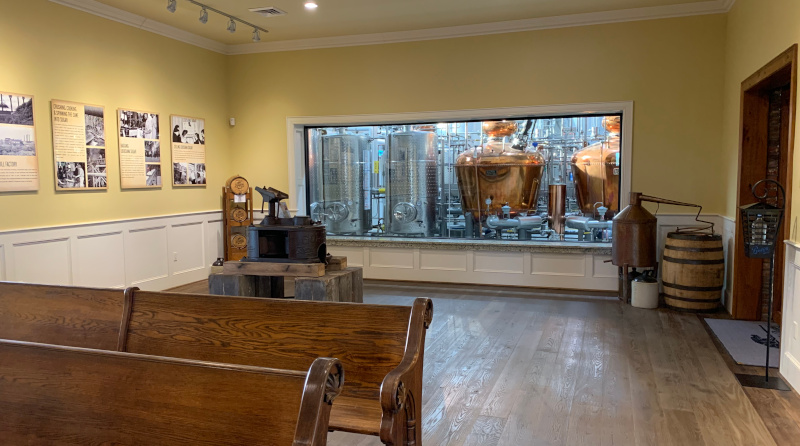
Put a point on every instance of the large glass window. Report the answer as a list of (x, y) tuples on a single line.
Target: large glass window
[(543, 178)]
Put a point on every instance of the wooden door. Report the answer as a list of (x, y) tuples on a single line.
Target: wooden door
[(765, 150)]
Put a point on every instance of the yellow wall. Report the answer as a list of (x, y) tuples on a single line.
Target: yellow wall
[(54, 52), (672, 69), (757, 32)]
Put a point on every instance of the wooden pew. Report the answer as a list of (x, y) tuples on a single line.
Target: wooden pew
[(380, 346), (76, 396), (73, 316)]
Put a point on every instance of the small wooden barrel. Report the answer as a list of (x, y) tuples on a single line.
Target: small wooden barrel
[(693, 271)]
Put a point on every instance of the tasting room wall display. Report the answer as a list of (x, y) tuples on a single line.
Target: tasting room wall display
[(139, 149), (79, 146), (188, 151), (19, 163)]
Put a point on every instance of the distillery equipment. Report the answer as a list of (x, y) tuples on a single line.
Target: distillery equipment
[(596, 171), (635, 231), (342, 204), (290, 240), (411, 185), (557, 191), (500, 173)]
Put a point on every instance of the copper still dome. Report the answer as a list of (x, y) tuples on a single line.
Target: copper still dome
[(596, 171), (499, 172)]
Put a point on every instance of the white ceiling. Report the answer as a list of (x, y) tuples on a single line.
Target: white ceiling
[(337, 18)]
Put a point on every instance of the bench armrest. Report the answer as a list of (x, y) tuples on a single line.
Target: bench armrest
[(401, 390), (323, 384)]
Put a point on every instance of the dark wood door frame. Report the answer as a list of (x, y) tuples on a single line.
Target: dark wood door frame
[(753, 127)]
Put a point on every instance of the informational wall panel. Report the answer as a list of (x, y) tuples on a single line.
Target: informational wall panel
[(139, 149), (19, 165), (188, 151), (79, 146)]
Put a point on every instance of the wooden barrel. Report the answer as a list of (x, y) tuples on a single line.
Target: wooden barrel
[(693, 271)]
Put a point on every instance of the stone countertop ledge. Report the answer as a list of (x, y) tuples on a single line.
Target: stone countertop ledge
[(565, 247)]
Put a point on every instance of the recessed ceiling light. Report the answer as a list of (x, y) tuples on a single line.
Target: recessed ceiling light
[(311, 5)]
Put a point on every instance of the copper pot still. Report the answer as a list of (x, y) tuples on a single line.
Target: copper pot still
[(634, 232), (595, 170), (499, 172)]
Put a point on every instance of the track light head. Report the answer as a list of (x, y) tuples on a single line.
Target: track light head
[(204, 16), (256, 35), (172, 5), (231, 26)]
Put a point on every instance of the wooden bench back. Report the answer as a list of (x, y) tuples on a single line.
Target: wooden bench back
[(370, 340), (73, 316), (65, 395)]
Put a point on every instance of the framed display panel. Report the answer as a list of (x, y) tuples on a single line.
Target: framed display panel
[(188, 151), (139, 149), (79, 146), (19, 160)]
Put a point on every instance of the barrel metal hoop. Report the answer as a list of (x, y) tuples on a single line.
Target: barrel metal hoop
[(682, 248), (691, 288), (693, 262), (694, 237), (689, 299)]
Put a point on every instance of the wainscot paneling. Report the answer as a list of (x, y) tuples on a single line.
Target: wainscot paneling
[(391, 258), (99, 260), (558, 265), (442, 260), (138, 252), (790, 330), (44, 261), (499, 262), (602, 268)]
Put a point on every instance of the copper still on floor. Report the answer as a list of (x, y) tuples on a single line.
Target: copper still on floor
[(635, 234)]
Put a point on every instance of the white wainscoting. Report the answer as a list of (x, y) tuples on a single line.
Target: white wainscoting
[(519, 268), (790, 330), (152, 253)]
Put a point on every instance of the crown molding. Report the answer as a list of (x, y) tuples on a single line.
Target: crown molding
[(143, 23), (511, 26)]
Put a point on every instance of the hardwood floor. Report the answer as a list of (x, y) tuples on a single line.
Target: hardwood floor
[(507, 366)]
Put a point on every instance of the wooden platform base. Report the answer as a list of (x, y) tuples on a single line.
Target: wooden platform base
[(335, 286)]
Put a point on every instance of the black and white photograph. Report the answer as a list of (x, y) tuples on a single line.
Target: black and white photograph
[(180, 173), (71, 175), (153, 172), (95, 126), (17, 141), (188, 130), (152, 152), (197, 173), (16, 109), (134, 124), (96, 175)]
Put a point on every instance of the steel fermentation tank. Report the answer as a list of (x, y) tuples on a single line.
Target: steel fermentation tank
[(499, 172), (342, 206), (411, 187), (596, 169)]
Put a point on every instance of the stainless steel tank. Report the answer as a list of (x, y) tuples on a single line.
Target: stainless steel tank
[(500, 173), (411, 187), (595, 171), (342, 206)]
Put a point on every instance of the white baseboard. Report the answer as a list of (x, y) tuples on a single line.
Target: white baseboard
[(153, 253)]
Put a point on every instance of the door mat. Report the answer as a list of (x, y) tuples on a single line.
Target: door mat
[(746, 341)]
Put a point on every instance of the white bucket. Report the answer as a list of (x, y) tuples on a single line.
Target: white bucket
[(644, 294)]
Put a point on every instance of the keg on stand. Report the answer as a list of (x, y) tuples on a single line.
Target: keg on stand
[(693, 271)]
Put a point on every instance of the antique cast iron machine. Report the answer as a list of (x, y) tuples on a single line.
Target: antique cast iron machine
[(289, 240)]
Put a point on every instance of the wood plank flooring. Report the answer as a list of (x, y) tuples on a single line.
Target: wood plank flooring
[(514, 367)]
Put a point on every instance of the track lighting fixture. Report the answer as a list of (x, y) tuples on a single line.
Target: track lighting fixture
[(172, 5)]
